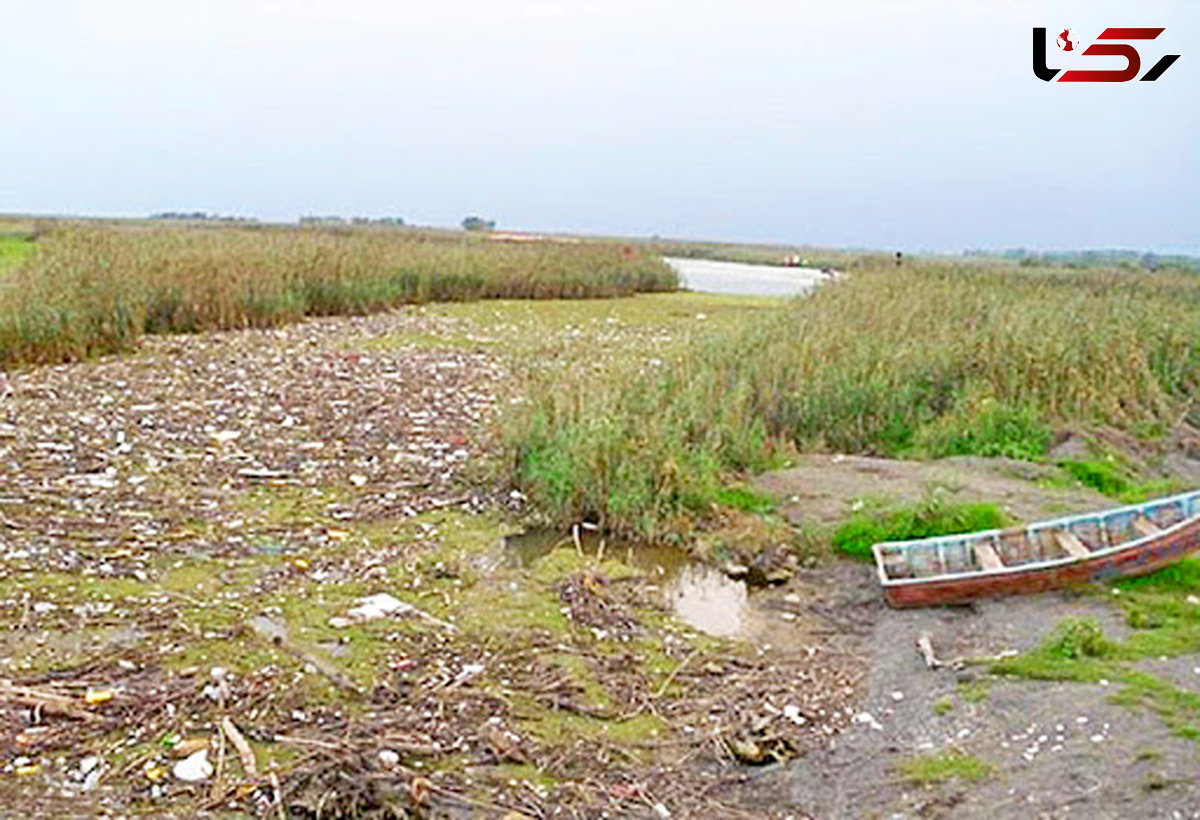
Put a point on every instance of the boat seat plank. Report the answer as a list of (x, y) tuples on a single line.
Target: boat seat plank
[(1146, 527), (1071, 543), (987, 557)]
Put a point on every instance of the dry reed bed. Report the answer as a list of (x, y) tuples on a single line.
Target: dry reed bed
[(93, 290)]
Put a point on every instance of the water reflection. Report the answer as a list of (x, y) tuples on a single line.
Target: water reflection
[(702, 596), (708, 600)]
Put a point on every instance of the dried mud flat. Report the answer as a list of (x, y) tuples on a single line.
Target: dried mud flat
[(821, 488), (1056, 749), (187, 538)]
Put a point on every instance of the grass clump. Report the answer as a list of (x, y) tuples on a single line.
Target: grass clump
[(1111, 478), (860, 532), (975, 691), (938, 767), (1164, 624), (1077, 650), (1104, 477), (91, 290), (745, 499)]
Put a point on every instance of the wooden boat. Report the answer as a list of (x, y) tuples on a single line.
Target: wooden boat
[(1115, 543)]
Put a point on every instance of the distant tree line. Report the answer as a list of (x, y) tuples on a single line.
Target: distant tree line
[(201, 216), (394, 221), (1093, 258)]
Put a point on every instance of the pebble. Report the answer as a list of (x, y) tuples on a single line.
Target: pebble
[(869, 720)]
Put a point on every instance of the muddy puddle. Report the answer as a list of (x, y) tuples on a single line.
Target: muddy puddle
[(702, 596)]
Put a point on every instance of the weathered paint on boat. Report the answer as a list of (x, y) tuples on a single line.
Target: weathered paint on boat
[(1128, 557)]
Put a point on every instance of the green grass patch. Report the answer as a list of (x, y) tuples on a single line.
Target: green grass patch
[(975, 691), (1106, 477), (745, 499), (933, 517), (1076, 650), (13, 251), (1112, 478), (1182, 576), (1178, 709), (938, 767)]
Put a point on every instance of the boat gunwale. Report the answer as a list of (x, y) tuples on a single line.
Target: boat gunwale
[(885, 581)]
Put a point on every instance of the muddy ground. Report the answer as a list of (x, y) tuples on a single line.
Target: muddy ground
[(1058, 749)]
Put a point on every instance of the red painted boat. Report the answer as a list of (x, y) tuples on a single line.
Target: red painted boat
[(1116, 543)]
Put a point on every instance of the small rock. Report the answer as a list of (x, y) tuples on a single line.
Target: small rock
[(389, 758), (194, 768)]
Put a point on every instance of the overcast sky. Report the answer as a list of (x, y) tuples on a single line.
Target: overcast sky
[(889, 123)]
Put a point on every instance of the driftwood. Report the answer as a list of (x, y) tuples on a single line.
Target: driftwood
[(249, 763), (925, 647), (50, 702)]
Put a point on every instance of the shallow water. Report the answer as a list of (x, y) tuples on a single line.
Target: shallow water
[(748, 280), (702, 596)]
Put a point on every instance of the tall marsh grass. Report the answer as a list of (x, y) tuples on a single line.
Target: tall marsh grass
[(933, 361), (88, 290)]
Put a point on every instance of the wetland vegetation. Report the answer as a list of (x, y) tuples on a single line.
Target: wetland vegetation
[(205, 511)]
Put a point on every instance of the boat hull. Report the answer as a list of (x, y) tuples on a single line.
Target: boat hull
[(1138, 558)]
